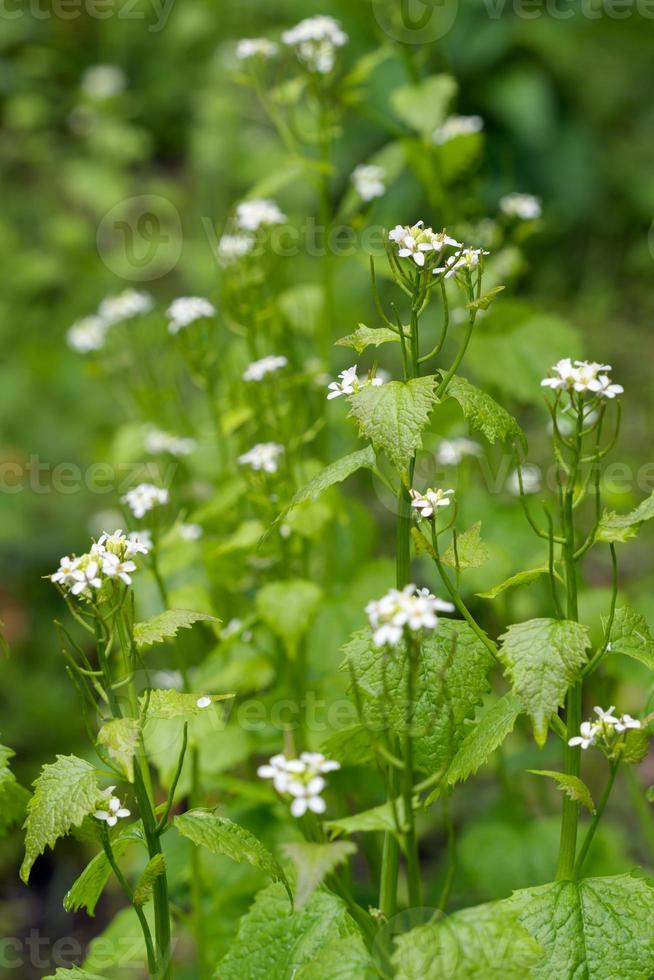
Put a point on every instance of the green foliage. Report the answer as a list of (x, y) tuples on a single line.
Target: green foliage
[(424, 106), (64, 794), (521, 578), (484, 737), (120, 737), (346, 959), (221, 836), (471, 552), (168, 703), (364, 337), (483, 413), (379, 818), (155, 867), (619, 528), (289, 608), (74, 973), (13, 796), (393, 416), (631, 636), (166, 625), (543, 658), (572, 786), (86, 890), (334, 473), (313, 863)]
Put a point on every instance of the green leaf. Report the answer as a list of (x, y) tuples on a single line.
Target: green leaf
[(313, 863), (168, 703), (246, 537), (486, 942), (596, 928), (288, 609), (631, 636), (485, 301), (303, 306), (620, 527), (166, 625), (365, 336), (74, 973), (378, 818), (572, 786), (349, 746), (86, 890), (635, 746), (521, 578), (544, 658), (65, 792), (484, 737), (470, 549), (155, 867), (336, 472), (483, 412), (221, 836), (13, 797), (346, 959), (273, 942), (393, 416), (424, 106), (120, 737)]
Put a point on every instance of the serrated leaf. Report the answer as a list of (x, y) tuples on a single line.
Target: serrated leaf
[(222, 836), (635, 746), (543, 658), (378, 818), (155, 867), (349, 746), (619, 528), (166, 625), (120, 737), (336, 472), (167, 703), (485, 301), (521, 578), (424, 106), (346, 959), (64, 794), (421, 543), (365, 336), (470, 549), (273, 942), (87, 888), (288, 608), (313, 863), (595, 928), (486, 941), (572, 786), (393, 416), (484, 737), (483, 412), (631, 636), (13, 797)]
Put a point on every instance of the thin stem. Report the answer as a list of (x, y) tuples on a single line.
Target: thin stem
[(410, 841), (451, 853), (126, 887), (597, 816)]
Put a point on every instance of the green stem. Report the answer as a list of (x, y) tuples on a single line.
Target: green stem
[(590, 834), (124, 884), (410, 839), (642, 808)]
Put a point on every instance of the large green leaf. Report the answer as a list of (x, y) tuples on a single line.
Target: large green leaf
[(313, 862), (336, 472), (378, 818), (273, 942), (288, 608), (346, 959), (120, 737), (471, 552), (483, 412), (64, 794), (482, 943), (166, 625), (484, 737), (222, 836), (631, 636), (596, 928), (620, 527), (166, 703), (393, 416), (543, 658), (424, 106)]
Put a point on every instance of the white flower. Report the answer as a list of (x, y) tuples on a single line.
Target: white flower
[(144, 497), (368, 180), (257, 370), (186, 310), (587, 736), (452, 451), (113, 567), (115, 810), (626, 722), (428, 502), (190, 532), (467, 260), (302, 779), (606, 717), (584, 377), (86, 576), (203, 702), (315, 41), (523, 206), (139, 542), (350, 382), (531, 480), (234, 247), (87, 334), (607, 389), (156, 441), (103, 81), (109, 558), (65, 574), (126, 305), (264, 456), (457, 126), (256, 47), (260, 213), (413, 241), (408, 608)]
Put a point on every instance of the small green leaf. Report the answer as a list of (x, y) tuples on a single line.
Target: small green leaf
[(64, 794), (166, 625), (313, 863), (544, 658), (521, 578), (288, 609), (86, 890), (365, 336), (167, 703), (393, 416), (120, 737), (635, 746), (572, 786), (221, 836), (485, 301), (619, 528), (484, 737), (368, 821), (155, 867), (334, 473), (73, 973), (631, 636), (424, 106), (483, 412), (470, 549)]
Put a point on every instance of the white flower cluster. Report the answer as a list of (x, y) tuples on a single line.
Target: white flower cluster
[(103, 81), (157, 441), (258, 213), (526, 207), (603, 731), (110, 557), (300, 778), (368, 180), (231, 248), (264, 456), (185, 310), (455, 126), (584, 377), (114, 811), (406, 609), (350, 382), (144, 498), (466, 261), (257, 370), (89, 333), (426, 504), (256, 47), (315, 41), (415, 241)]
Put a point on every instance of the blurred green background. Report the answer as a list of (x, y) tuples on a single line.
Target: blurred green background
[(568, 116)]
